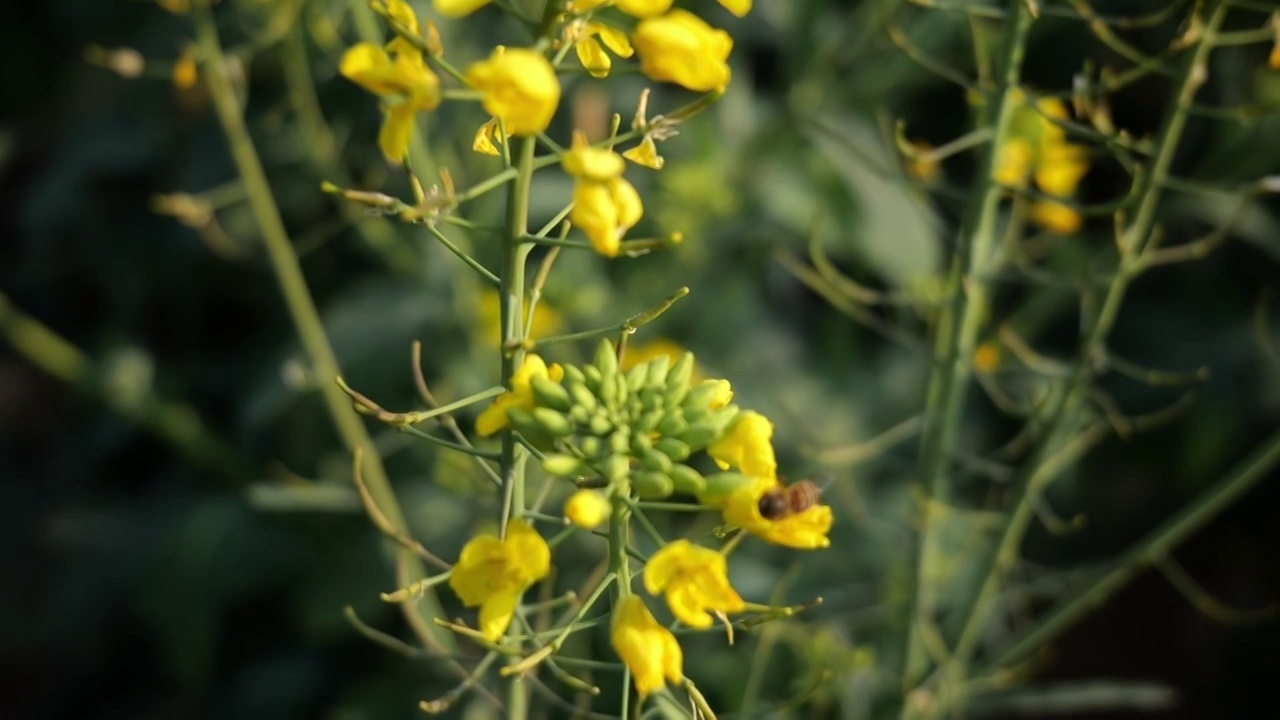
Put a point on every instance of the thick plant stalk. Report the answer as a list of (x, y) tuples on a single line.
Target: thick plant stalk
[(957, 337), (306, 318)]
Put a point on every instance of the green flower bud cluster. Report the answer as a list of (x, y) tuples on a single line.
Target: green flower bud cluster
[(640, 425)]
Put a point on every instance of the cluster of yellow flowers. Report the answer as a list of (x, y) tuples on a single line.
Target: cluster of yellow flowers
[(520, 89), (1038, 149), (546, 405)]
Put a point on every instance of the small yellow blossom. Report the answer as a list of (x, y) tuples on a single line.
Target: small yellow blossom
[(737, 7), (679, 47), (458, 8), (520, 88), (805, 530), (1013, 165), (649, 650), (986, 358), (695, 581), (494, 417), (1055, 217), (748, 447), (605, 206), (722, 396), (587, 509), (403, 79), (591, 52), (184, 74), (646, 154), (644, 8), (486, 137), (493, 573), (1038, 150)]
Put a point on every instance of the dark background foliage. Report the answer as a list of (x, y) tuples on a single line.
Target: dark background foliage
[(145, 579)]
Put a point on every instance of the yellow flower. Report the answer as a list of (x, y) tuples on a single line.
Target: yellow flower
[(722, 396), (1038, 150), (679, 47), (520, 88), (458, 8), (1060, 167), (747, 447), (494, 417), (590, 52), (586, 509), (184, 74), (605, 206), (403, 79), (646, 154), (695, 580), (649, 650), (488, 134), (493, 573), (1013, 164), (986, 357), (737, 7), (805, 530), (644, 8), (1055, 217)]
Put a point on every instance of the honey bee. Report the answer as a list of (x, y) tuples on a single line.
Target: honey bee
[(783, 501)]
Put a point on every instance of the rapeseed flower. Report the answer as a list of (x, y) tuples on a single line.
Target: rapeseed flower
[(747, 446), (494, 417), (590, 40), (694, 579), (520, 89), (1038, 150), (493, 573), (587, 509), (804, 530), (649, 650), (401, 77), (605, 206), (679, 47)]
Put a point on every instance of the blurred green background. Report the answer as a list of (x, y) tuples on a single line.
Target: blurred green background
[(206, 577)]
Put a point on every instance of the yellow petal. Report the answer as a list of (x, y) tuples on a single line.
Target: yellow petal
[(593, 57), (649, 650), (588, 163), (663, 566), (485, 136), (747, 446), (737, 7), (494, 418), (587, 509), (595, 214), (472, 578), (458, 8), (369, 66), (644, 8), (519, 87), (1055, 217), (396, 130), (184, 70), (496, 614), (680, 48), (613, 38), (646, 154), (627, 201), (400, 11), (529, 550), (1014, 162)]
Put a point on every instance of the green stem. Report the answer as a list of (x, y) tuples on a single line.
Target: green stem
[(957, 337), (305, 317)]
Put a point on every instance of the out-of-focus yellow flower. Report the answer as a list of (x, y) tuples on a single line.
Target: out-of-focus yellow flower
[(679, 47), (695, 581), (986, 358), (494, 417), (587, 509), (493, 573), (520, 88), (643, 8), (401, 77), (605, 206), (805, 530), (737, 7), (184, 73), (546, 321), (1273, 61), (487, 138), (1037, 149), (458, 8), (646, 154), (748, 447), (649, 650), (590, 50)]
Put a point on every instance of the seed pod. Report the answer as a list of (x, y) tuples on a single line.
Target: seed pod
[(549, 393), (606, 359), (678, 379), (561, 465), (582, 397), (637, 376), (672, 424), (687, 480), (651, 485), (654, 460), (649, 421), (700, 435), (658, 369), (671, 447), (600, 425), (620, 441), (553, 422)]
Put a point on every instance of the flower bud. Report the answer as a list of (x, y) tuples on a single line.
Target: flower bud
[(722, 485), (651, 485), (553, 422), (562, 465), (687, 480), (671, 447), (587, 509), (549, 393)]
